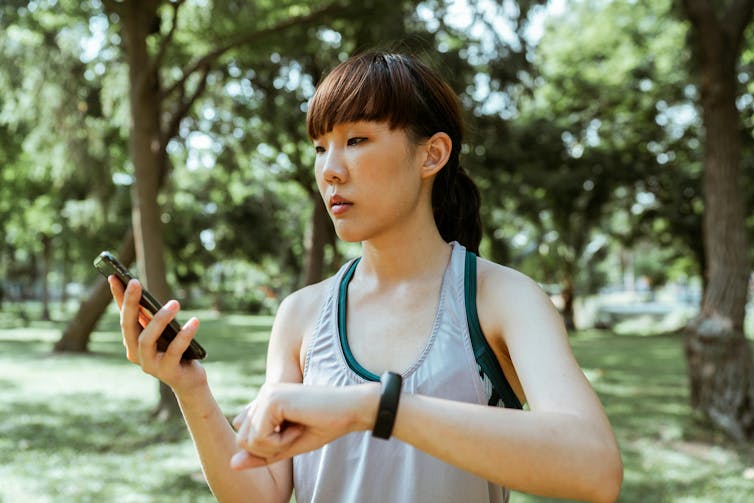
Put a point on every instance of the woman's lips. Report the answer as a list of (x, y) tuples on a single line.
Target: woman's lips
[(339, 205)]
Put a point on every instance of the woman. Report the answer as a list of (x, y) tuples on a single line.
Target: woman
[(387, 132)]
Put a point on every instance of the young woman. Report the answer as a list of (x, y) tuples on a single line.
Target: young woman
[(387, 132)]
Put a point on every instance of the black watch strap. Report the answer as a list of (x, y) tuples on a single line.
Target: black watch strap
[(390, 393)]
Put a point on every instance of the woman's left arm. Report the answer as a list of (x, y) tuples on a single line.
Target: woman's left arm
[(563, 446)]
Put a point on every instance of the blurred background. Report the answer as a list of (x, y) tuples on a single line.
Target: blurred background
[(612, 141)]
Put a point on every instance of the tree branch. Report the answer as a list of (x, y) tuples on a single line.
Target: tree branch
[(112, 6), (736, 19), (157, 61), (183, 107), (702, 15), (212, 56)]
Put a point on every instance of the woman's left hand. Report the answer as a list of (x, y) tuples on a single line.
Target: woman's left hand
[(288, 419)]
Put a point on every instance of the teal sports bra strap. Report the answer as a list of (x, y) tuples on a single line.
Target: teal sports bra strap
[(483, 353), (343, 328)]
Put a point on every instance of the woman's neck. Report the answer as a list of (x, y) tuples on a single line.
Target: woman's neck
[(399, 260)]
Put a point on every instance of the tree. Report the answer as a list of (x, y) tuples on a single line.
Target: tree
[(579, 147), (157, 109), (721, 369), (57, 192)]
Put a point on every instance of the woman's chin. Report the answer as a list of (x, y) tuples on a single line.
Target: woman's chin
[(349, 237)]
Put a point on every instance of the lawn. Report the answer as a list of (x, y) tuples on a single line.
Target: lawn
[(76, 428)]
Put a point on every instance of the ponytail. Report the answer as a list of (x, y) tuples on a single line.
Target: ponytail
[(455, 203)]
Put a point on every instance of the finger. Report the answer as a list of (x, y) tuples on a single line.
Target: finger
[(238, 420), (132, 300), (283, 444), (131, 296), (182, 340), (242, 428), (269, 442), (246, 412), (117, 289), (290, 434), (286, 445), (148, 338), (243, 460), (242, 432), (129, 316)]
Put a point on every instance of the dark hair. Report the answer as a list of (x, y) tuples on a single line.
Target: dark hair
[(405, 93)]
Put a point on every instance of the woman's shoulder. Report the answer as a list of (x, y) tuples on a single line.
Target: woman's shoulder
[(504, 293), (504, 279), (295, 321), (305, 303), (300, 309)]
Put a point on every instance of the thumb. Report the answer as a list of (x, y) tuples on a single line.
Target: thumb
[(290, 433), (243, 460)]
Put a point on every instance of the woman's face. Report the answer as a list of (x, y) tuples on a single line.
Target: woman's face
[(369, 177)]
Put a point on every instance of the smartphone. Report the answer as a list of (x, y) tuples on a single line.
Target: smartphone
[(107, 264)]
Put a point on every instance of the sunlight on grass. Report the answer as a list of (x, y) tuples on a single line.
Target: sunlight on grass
[(77, 427), (83, 421), (669, 456)]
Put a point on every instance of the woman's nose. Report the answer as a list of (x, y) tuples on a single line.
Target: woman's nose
[(334, 168)]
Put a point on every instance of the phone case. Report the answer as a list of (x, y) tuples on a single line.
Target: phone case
[(107, 264)]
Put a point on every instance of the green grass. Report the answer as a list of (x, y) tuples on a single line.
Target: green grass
[(77, 427), (669, 454)]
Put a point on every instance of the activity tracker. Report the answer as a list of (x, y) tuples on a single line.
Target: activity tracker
[(390, 393)]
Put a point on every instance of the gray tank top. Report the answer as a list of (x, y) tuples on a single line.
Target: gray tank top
[(358, 468)]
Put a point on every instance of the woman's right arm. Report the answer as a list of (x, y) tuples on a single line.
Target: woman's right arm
[(210, 430)]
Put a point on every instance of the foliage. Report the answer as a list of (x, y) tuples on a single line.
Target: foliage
[(585, 141), (57, 182), (599, 144), (241, 182)]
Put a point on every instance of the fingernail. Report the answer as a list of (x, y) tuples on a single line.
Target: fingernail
[(237, 458), (172, 306)]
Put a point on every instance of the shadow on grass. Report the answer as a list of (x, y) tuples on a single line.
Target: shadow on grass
[(668, 452), (71, 425)]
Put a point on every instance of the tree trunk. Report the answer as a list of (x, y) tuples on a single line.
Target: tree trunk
[(149, 160), (3, 275), (721, 371), (77, 333), (45, 275), (320, 234), (568, 297), (65, 277)]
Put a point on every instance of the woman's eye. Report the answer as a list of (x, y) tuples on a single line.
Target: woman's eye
[(319, 149), (356, 140)]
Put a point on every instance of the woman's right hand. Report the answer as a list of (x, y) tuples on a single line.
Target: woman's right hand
[(140, 336)]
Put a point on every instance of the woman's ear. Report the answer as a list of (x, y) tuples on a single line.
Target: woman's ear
[(437, 148)]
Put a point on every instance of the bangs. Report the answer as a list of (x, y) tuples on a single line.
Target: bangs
[(369, 87)]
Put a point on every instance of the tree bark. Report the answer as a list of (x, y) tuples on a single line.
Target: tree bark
[(568, 300), (149, 159), (720, 366), (320, 234), (77, 333), (150, 134), (45, 275)]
